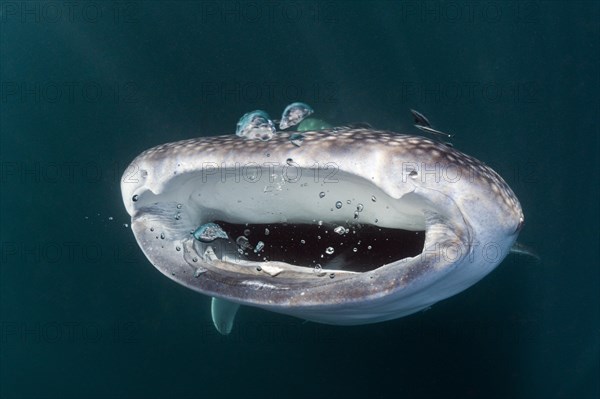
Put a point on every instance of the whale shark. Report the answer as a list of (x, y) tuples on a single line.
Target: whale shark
[(353, 226)]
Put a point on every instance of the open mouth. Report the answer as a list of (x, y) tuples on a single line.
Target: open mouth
[(307, 225), (346, 247), (373, 233)]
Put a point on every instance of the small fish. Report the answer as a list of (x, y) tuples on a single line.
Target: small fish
[(209, 232), (309, 124), (255, 125), (433, 131), (294, 114), (420, 119), (423, 124)]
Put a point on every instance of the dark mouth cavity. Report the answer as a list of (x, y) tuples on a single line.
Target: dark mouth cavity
[(356, 248)]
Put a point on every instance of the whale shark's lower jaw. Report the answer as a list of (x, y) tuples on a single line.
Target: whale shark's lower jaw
[(319, 232)]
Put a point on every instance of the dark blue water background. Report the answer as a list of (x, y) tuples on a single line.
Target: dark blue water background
[(86, 86)]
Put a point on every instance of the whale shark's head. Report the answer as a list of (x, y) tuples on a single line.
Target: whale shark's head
[(352, 226)]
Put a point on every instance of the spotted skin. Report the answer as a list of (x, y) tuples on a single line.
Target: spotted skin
[(479, 207), (426, 150)]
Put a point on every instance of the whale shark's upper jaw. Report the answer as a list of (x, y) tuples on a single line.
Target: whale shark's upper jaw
[(358, 225)]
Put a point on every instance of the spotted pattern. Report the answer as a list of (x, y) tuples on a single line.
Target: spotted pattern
[(341, 138)]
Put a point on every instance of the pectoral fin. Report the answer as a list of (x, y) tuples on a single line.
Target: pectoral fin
[(223, 314)]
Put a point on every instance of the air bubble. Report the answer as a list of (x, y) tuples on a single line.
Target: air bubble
[(373, 198), (243, 243), (302, 242), (135, 198), (267, 232), (369, 247), (340, 230), (178, 248), (321, 194), (162, 236), (329, 250), (354, 249), (360, 207), (331, 275), (247, 232), (338, 204), (259, 246), (317, 269), (178, 206)]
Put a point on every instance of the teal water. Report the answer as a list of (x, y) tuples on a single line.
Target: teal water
[(86, 86)]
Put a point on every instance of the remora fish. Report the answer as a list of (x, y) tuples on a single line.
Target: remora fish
[(422, 123), (385, 183)]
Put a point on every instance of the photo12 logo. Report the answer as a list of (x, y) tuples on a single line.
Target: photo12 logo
[(251, 92), (270, 12), (68, 332), (270, 173), (72, 92), (470, 12), (70, 12), (468, 92)]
